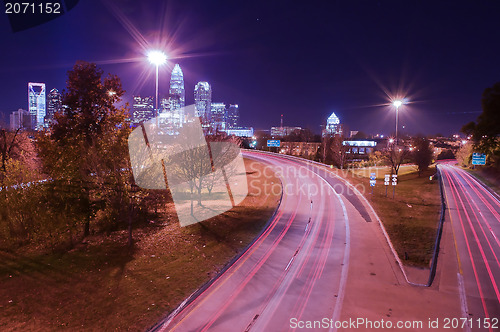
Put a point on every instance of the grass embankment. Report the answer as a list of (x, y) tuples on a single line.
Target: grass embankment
[(490, 176), (412, 217), (381, 170), (103, 286)]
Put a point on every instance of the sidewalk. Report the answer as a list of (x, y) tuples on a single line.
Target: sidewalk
[(376, 288)]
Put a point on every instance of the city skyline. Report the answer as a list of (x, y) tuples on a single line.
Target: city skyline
[(301, 59)]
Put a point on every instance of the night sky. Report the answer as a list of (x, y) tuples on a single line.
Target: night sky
[(303, 59)]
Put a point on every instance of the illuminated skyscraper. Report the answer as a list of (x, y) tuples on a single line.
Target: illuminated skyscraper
[(54, 105), (36, 104), (218, 117), (233, 116), (333, 126), (203, 100), (177, 96)]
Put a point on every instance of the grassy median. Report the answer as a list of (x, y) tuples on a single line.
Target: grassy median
[(102, 285), (411, 217)]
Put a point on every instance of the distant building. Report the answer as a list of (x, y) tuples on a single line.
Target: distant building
[(142, 109), (301, 149), (20, 119), (360, 147), (203, 101), (232, 116), (283, 131), (36, 104), (54, 105), (333, 126), (241, 132)]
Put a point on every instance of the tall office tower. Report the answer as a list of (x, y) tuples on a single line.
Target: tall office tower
[(233, 116), (333, 126), (177, 96), (54, 105), (142, 109), (202, 101), (20, 119), (36, 104), (164, 105), (218, 117)]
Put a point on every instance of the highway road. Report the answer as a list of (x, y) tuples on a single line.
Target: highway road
[(297, 268), (475, 221)]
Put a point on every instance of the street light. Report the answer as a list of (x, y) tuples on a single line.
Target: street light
[(156, 58), (397, 103)]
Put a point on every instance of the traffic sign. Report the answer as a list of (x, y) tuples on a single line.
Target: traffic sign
[(394, 179), (372, 176), (387, 179), (478, 158), (372, 183), (273, 143)]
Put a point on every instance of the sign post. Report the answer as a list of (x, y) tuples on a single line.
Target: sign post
[(276, 143), (478, 159), (394, 183), (373, 180), (387, 179)]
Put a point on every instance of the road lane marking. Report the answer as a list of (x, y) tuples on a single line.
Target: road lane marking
[(453, 189), (463, 299)]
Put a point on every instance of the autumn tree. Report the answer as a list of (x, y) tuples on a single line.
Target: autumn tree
[(18, 170), (85, 150), (486, 130), (396, 156)]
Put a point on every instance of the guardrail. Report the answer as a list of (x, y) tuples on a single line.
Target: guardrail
[(435, 253)]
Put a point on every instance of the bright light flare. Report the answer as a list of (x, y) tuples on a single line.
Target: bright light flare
[(397, 103), (157, 58)]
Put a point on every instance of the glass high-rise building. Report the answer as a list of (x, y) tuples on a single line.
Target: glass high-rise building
[(142, 109), (54, 104), (203, 101), (36, 104)]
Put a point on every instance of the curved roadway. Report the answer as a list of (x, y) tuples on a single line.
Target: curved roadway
[(475, 220), (297, 268)]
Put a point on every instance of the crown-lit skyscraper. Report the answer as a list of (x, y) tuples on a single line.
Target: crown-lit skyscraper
[(177, 85), (177, 96), (203, 101), (333, 126)]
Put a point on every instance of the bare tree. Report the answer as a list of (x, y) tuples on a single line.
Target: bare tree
[(395, 156)]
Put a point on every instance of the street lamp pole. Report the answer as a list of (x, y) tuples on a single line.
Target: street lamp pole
[(397, 103), (156, 58), (156, 95)]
